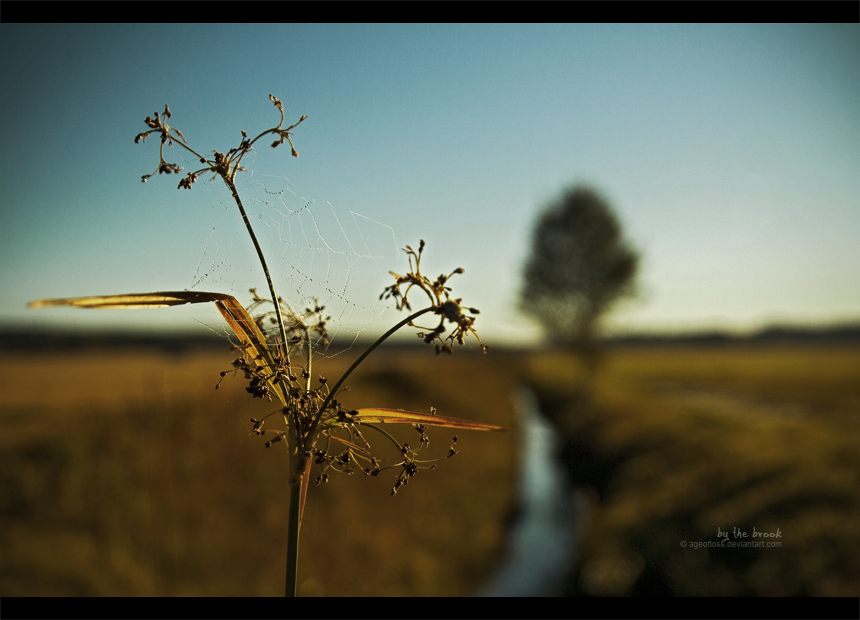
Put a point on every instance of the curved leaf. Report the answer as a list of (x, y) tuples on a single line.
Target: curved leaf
[(246, 328), (133, 300), (397, 416), (242, 323), (254, 343)]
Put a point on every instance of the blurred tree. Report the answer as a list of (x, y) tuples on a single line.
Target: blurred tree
[(579, 266)]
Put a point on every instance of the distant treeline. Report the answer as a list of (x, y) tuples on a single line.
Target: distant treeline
[(54, 340), (51, 340), (835, 334)]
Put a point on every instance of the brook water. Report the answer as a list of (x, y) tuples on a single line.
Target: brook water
[(542, 547)]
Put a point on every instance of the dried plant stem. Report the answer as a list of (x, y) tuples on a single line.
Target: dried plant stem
[(300, 484), (293, 536), (232, 187), (296, 488), (360, 359), (310, 357), (295, 516)]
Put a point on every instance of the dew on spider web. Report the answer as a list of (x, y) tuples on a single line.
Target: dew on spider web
[(315, 251)]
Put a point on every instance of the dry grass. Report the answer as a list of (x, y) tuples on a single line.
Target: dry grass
[(131, 475), (683, 441)]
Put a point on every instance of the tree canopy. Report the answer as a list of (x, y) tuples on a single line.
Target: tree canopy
[(579, 266)]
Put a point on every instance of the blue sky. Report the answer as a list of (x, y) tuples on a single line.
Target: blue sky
[(730, 153)]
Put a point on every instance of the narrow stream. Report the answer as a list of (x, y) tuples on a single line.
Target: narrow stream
[(542, 546)]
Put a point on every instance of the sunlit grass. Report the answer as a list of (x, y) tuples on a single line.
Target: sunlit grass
[(826, 378), (125, 490), (153, 486), (681, 441)]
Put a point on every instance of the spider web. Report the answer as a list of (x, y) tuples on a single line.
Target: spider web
[(316, 253)]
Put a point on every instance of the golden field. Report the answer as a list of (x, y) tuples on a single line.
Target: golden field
[(126, 473), (682, 444), (129, 474)]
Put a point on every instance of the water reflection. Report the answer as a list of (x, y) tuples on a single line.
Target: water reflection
[(542, 546)]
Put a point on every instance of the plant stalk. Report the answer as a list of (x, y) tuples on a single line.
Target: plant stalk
[(360, 359), (293, 537), (272, 292)]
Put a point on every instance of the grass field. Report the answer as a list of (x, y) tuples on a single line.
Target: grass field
[(128, 474), (677, 444)]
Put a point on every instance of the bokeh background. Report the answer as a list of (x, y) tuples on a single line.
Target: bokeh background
[(730, 154), (729, 151)]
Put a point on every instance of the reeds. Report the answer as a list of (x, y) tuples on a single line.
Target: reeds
[(318, 430)]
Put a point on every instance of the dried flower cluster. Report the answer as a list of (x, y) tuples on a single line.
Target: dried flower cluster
[(316, 412), (442, 303), (225, 165), (311, 413)]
